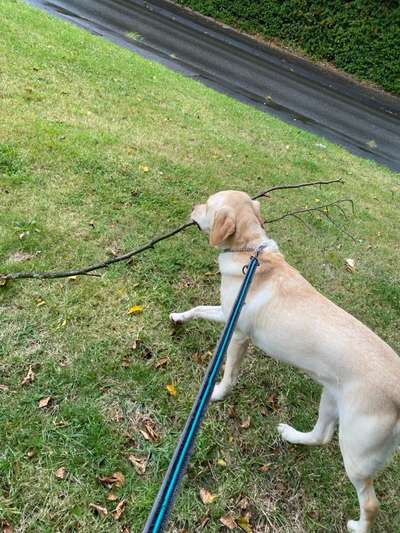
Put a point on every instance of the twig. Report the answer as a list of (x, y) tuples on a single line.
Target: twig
[(296, 186), (323, 209), (103, 264)]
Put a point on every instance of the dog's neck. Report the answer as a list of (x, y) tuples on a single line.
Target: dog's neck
[(255, 236)]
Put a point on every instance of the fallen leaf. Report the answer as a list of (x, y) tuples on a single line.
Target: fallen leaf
[(148, 430), (111, 497), (265, 468), (244, 523), (119, 510), (101, 511), (244, 503), (44, 402), (18, 257), (171, 389), (3, 388), (6, 527), (206, 496), (117, 479), (232, 411), (30, 376), (161, 362), (135, 310), (60, 472), (221, 462), (350, 265), (139, 463), (228, 521), (246, 423), (273, 402), (3, 282), (126, 529), (31, 453), (144, 168), (40, 302)]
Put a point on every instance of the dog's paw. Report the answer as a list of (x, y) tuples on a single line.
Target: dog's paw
[(288, 433), (353, 526), (218, 393), (176, 318)]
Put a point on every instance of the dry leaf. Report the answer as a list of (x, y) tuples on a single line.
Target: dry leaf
[(350, 265), (135, 309), (144, 168), (244, 503), (111, 497), (40, 302), (161, 362), (171, 389), (31, 453), (60, 472), (148, 430), (125, 529), (30, 376), (44, 402), (246, 423), (206, 496), (221, 462), (3, 282), (265, 468), (3, 388), (101, 511), (228, 521), (139, 463), (119, 510), (6, 527), (244, 523), (17, 257), (117, 479)]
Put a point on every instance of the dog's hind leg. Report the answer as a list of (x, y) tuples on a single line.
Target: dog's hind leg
[(366, 441), (205, 312), (324, 428), (236, 351)]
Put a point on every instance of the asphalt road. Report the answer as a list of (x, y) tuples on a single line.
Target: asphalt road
[(365, 121)]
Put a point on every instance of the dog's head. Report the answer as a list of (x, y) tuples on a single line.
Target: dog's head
[(226, 216)]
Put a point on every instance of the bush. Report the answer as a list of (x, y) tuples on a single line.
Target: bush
[(362, 37)]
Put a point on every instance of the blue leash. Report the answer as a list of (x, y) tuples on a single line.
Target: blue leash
[(166, 495)]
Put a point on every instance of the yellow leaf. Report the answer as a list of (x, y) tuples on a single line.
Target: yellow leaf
[(206, 496), (221, 462), (171, 389), (244, 523), (144, 168), (135, 309)]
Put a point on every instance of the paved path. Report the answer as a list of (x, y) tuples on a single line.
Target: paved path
[(365, 121)]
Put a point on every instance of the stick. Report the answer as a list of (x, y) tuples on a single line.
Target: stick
[(103, 264)]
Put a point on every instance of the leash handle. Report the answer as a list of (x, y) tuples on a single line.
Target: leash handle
[(166, 495)]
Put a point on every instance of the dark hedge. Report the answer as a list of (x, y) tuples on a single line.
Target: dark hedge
[(361, 37)]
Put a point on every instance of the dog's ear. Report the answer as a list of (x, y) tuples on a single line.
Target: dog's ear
[(257, 211), (223, 226)]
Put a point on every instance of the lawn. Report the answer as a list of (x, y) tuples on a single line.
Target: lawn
[(99, 151)]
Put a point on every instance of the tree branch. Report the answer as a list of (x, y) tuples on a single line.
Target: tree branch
[(296, 186), (324, 210), (85, 271)]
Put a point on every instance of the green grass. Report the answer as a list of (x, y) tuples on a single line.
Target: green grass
[(101, 149)]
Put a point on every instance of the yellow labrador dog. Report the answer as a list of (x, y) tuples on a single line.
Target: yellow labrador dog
[(290, 320)]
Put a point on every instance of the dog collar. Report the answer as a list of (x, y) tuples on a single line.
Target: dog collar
[(258, 249)]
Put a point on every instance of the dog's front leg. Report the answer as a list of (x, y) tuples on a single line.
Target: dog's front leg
[(236, 351), (206, 312)]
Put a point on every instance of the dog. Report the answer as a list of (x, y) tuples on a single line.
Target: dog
[(286, 317)]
